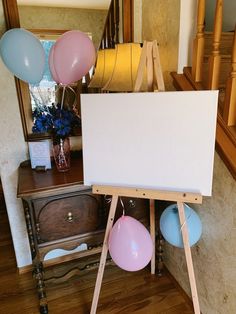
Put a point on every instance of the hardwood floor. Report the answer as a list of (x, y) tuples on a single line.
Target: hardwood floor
[(122, 292)]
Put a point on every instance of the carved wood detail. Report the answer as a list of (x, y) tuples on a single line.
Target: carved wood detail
[(215, 58), (198, 43)]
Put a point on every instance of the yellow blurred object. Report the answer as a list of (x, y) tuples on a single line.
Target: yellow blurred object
[(129, 68), (104, 67), (125, 68)]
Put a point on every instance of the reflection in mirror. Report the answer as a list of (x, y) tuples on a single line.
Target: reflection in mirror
[(48, 20), (48, 93), (44, 92)]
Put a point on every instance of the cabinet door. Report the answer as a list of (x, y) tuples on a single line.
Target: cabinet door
[(67, 216)]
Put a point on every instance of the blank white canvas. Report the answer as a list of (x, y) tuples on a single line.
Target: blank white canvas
[(161, 141)]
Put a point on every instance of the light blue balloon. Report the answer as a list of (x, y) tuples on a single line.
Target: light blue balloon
[(23, 55), (171, 229)]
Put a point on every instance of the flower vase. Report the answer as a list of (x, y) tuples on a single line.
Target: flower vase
[(61, 153)]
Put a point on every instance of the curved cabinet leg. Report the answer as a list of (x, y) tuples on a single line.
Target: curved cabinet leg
[(38, 274), (159, 253), (43, 309), (159, 240)]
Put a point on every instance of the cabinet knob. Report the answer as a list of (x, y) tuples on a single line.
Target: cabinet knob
[(69, 217), (132, 203)]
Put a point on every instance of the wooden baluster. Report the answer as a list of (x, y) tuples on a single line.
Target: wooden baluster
[(112, 40), (106, 37), (117, 21), (229, 113), (198, 43), (102, 44), (109, 30), (215, 58), (110, 34)]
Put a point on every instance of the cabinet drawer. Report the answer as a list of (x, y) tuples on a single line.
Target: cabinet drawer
[(68, 216)]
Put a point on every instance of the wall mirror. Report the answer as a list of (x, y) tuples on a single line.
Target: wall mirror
[(48, 19)]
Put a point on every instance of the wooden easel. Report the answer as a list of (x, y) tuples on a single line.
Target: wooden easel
[(178, 197), (150, 67), (149, 74)]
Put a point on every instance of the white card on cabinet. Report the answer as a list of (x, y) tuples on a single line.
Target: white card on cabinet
[(40, 154)]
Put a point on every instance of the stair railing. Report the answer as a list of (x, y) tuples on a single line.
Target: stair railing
[(214, 67), (110, 34), (113, 26)]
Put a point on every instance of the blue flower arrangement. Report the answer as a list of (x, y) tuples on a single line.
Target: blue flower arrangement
[(58, 121)]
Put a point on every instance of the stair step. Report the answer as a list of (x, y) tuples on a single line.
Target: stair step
[(188, 74), (181, 82)]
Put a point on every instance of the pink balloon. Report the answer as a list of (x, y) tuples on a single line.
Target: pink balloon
[(73, 56), (51, 65), (130, 244)]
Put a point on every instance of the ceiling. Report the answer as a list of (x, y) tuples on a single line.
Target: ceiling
[(85, 4)]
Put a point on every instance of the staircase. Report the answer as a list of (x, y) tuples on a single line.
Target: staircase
[(119, 24), (214, 67)]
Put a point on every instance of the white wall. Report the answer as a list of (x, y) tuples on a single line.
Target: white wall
[(13, 151), (187, 29)]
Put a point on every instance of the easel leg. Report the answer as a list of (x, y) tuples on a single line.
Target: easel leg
[(188, 257), (103, 255), (153, 235)]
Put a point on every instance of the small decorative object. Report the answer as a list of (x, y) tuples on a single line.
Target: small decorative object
[(130, 244), (61, 153), (40, 154), (171, 228), (60, 123)]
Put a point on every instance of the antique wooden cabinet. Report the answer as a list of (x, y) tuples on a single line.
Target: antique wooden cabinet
[(62, 213)]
